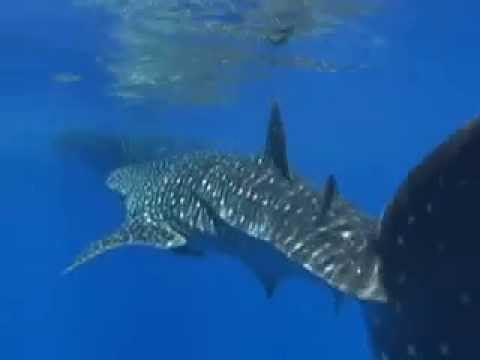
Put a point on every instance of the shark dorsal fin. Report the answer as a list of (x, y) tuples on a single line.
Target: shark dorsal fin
[(329, 193), (276, 145)]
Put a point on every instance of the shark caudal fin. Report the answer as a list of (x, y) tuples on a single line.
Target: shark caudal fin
[(429, 249), (276, 143), (135, 232)]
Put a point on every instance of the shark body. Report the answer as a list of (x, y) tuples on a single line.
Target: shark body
[(429, 251), (420, 257), (170, 203)]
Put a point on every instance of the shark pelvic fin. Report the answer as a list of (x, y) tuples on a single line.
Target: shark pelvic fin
[(185, 250), (135, 232), (276, 144), (268, 276), (269, 285), (338, 301)]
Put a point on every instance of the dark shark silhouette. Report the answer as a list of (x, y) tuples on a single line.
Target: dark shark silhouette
[(429, 248), (105, 152), (171, 203)]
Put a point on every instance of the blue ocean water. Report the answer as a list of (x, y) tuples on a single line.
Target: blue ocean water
[(368, 128)]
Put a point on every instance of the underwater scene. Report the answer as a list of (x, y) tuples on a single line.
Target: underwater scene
[(240, 179)]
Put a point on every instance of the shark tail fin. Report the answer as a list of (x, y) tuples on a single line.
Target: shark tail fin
[(276, 143), (134, 233)]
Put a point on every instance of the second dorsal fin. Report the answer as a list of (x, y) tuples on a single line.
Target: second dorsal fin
[(329, 194), (276, 145)]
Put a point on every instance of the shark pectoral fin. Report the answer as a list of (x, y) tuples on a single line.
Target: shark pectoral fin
[(135, 232), (276, 144), (117, 239)]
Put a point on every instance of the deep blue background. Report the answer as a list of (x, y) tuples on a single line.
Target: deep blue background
[(368, 128)]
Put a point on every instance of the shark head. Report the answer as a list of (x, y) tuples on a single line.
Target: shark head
[(123, 180)]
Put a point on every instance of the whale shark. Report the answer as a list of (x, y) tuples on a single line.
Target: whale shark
[(172, 203), (415, 267), (429, 250)]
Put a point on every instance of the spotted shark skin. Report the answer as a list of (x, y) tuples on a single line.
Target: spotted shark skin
[(423, 260), (429, 247), (169, 202)]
